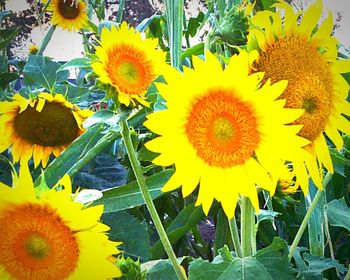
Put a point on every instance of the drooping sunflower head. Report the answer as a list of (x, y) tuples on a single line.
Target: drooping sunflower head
[(51, 236), (127, 62), (69, 14), (40, 126), (219, 132), (306, 55)]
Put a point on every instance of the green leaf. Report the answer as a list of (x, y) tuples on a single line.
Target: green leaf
[(3, 63), (160, 270), (268, 263), (71, 156), (6, 78), (106, 24), (188, 218), (311, 267), (339, 161), (105, 116), (71, 91), (129, 196), (82, 62), (266, 4), (8, 36), (195, 50), (131, 231), (194, 24), (41, 71), (338, 213), (264, 215)]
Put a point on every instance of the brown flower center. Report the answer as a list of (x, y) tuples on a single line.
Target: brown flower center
[(68, 9), (54, 126)]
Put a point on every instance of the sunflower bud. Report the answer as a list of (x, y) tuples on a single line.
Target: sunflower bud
[(131, 269), (233, 27)]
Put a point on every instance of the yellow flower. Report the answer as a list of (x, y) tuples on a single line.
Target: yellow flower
[(69, 14), (128, 63), (40, 126), (219, 130), (50, 236), (33, 49), (306, 56)]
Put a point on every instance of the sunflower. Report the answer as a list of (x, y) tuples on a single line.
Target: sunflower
[(40, 126), (50, 236), (218, 130), (128, 63), (306, 56), (69, 14)]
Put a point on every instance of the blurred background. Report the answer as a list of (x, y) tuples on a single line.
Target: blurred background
[(67, 45)]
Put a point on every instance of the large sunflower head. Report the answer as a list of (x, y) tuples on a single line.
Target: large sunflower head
[(218, 130), (50, 236), (305, 54), (40, 126), (127, 62), (69, 14)]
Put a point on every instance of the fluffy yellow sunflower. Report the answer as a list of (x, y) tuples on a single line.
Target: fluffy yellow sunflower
[(306, 55), (128, 63), (218, 130), (40, 126), (50, 236), (68, 14)]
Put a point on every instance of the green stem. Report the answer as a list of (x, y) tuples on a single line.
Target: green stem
[(247, 227), (347, 276), (46, 39), (307, 217), (148, 199), (235, 238), (174, 12), (120, 11)]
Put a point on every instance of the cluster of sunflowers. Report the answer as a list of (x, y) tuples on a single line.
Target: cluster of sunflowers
[(231, 127)]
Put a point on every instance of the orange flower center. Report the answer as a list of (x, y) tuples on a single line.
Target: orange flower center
[(129, 69), (36, 244), (222, 128), (54, 126), (310, 83), (68, 9)]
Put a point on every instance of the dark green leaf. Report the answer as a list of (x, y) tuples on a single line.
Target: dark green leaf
[(41, 71), (268, 263), (129, 196), (6, 78), (8, 36), (131, 231), (188, 218), (3, 63), (194, 24), (338, 213), (70, 156)]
